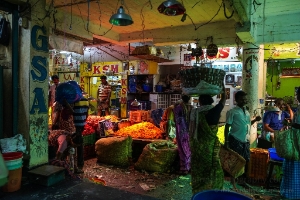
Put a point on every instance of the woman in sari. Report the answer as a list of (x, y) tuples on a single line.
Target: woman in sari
[(182, 118), (206, 169), (290, 183)]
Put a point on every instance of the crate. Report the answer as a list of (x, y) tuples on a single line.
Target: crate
[(145, 115), (163, 101), (258, 164), (89, 139), (135, 116)]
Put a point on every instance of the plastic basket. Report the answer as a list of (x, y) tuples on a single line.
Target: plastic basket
[(219, 195), (14, 164), (12, 155), (191, 77), (258, 164), (273, 155), (89, 139)]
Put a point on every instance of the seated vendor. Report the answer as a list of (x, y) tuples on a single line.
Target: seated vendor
[(274, 119), (61, 141)]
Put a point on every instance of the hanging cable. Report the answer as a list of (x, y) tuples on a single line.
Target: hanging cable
[(88, 17), (227, 17), (98, 3), (71, 15)]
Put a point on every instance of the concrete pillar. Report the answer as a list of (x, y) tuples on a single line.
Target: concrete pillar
[(34, 79), (253, 72)]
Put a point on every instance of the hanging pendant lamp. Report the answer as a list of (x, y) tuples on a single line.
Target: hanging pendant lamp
[(121, 18), (171, 8)]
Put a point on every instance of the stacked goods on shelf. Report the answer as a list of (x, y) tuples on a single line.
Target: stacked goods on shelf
[(144, 130)]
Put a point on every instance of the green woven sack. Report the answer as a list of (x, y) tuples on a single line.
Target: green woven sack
[(114, 150), (157, 157)]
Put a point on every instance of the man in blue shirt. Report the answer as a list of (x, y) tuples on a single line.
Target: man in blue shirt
[(273, 119)]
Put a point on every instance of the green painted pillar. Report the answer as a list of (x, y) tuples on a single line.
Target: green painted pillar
[(253, 64), (33, 111)]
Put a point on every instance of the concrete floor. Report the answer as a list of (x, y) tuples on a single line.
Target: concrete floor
[(70, 189)]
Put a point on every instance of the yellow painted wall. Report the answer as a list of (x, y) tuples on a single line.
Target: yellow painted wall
[(282, 51)]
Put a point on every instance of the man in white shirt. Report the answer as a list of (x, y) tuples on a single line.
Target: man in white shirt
[(237, 128)]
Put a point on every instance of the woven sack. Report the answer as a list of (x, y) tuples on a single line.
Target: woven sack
[(191, 77), (287, 144), (232, 162), (157, 157), (114, 150)]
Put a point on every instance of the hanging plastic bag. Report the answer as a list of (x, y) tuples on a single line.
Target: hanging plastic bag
[(4, 32)]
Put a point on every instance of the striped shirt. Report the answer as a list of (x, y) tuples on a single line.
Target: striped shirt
[(104, 92), (80, 112)]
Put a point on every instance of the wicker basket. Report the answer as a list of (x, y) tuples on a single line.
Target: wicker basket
[(232, 162), (191, 77), (258, 164)]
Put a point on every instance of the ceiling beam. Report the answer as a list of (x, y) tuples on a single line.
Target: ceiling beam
[(223, 33), (72, 4)]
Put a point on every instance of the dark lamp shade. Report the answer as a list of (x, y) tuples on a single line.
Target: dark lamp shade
[(121, 18), (171, 8)]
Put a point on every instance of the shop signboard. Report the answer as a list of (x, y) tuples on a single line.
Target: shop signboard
[(282, 51), (143, 67), (227, 66), (99, 68), (123, 98)]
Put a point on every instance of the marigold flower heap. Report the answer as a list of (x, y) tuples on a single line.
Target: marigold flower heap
[(145, 130)]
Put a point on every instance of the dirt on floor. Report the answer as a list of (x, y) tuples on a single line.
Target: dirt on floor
[(167, 186)]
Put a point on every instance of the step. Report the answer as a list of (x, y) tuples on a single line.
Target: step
[(47, 175)]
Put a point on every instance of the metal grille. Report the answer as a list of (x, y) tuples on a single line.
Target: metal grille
[(163, 101), (174, 98)]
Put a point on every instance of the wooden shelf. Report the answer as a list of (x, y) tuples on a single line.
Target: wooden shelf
[(152, 58)]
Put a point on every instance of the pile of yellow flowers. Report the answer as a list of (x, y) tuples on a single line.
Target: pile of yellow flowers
[(220, 134)]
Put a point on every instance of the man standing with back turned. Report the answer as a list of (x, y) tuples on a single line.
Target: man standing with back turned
[(80, 115)]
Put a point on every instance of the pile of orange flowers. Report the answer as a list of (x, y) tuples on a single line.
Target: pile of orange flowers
[(145, 130)]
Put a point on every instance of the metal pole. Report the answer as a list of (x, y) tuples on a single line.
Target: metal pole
[(15, 69), (1, 102)]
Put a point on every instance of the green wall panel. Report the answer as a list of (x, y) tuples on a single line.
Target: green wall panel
[(287, 86)]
